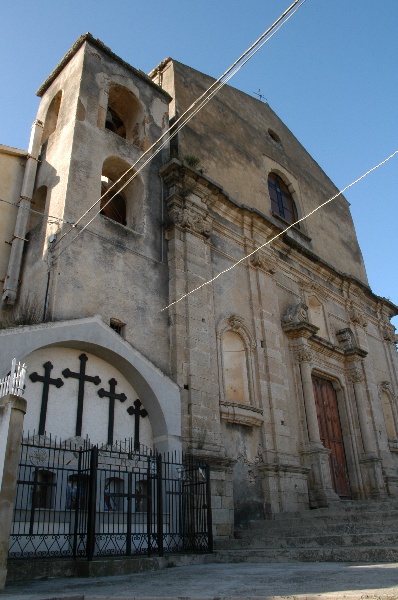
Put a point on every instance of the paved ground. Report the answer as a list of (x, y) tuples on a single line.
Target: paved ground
[(310, 581)]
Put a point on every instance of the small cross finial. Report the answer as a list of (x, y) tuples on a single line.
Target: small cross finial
[(260, 95)]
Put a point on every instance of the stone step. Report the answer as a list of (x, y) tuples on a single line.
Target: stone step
[(298, 529), (310, 542), (306, 520), (366, 554), (344, 507)]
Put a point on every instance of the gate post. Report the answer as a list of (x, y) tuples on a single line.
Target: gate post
[(209, 514), (12, 412), (92, 503), (160, 503)]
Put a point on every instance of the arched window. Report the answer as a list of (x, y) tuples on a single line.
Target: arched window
[(127, 205), (236, 382), (282, 202), (388, 416), (77, 491), (114, 209), (114, 123), (113, 494), (141, 495), (43, 489), (124, 115), (50, 124), (317, 316)]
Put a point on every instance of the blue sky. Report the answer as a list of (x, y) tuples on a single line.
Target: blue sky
[(331, 75)]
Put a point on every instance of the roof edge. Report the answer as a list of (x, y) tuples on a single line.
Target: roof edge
[(13, 151), (88, 37)]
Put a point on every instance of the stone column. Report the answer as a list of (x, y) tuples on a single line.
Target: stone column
[(12, 412), (304, 357), (320, 490), (371, 464)]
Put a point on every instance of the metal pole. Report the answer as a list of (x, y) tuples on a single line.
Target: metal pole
[(149, 504), (92, 503), (160, 503), (209, 515), (129, 512), (78, 492)]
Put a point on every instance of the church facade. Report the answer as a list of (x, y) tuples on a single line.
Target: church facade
[(282, 373)]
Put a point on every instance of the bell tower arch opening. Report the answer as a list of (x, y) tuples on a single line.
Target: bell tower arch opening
[(124, 115)]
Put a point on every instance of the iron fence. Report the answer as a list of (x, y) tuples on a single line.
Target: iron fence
[(78, 500)]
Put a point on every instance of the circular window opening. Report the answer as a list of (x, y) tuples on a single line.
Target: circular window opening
[(274, 136)]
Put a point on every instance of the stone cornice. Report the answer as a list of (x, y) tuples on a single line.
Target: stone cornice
[(217, 196), (241, 414), (283, 468), (88, 37), (300, 330)]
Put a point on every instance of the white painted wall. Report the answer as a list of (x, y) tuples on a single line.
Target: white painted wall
[(62, 403)]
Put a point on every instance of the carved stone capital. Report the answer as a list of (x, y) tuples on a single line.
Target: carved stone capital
[(303, 354), (188, 219), (267, 262), (356, 374)]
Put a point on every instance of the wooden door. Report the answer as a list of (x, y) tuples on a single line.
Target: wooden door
[(331, 435)]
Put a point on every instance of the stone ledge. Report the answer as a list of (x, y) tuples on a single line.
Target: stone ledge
[(241, 414)]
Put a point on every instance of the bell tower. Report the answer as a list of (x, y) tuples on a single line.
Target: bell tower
[(99, 115)]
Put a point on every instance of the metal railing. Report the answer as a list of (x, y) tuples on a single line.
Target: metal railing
[(87, 501), (14, 382)]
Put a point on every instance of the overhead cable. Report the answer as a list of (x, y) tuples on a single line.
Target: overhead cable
[(199, 287)]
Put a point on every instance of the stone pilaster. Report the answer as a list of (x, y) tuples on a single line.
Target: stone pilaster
[(12, 412), (371, 464), (222, 496), (192, 327)]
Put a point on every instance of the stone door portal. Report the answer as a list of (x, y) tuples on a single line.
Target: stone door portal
[(330, 434)]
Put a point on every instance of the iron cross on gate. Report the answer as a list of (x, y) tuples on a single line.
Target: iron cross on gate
[(137, 413), (46, 381), (82, 377), (112, 397)]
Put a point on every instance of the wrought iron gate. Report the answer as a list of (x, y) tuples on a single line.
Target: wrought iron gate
[(85, 501)]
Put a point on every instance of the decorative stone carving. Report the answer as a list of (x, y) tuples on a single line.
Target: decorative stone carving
[(38, 456), (188, 219), (358, 317), (356, 374), (311, 287), (388, 331), (295, 314), (346, 339), (267, 262), (235, 324), (385, 386), (303, 354)]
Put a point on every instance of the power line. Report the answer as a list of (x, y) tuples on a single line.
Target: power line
[(187, 116), (36, 212), (280, 233)]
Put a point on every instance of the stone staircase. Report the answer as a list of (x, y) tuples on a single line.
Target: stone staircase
[(363, 531)]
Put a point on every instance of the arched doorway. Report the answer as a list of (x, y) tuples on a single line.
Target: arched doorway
[(331, 434)]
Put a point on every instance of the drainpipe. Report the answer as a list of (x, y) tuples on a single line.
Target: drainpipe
[(21, 224)]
